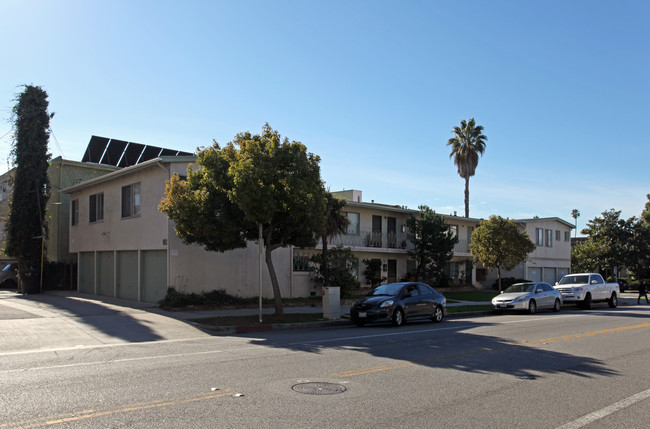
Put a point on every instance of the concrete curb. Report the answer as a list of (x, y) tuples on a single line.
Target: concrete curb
[(248, 329)]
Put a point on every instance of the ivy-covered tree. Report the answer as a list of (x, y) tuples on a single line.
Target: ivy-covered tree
[(433, 243), (26, 226), (498, 243), (254, 180)]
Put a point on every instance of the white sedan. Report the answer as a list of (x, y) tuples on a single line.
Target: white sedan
[(528, 297)]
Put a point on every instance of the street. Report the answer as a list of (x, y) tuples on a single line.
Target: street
[(571, 369)]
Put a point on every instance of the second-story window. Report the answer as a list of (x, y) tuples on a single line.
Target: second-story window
[(131, 200), (539, 233), (74, 212), (96, 207), (549, 238), (353, 226)]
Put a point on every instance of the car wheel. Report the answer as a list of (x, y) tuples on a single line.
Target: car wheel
[(532, 307), (398, 317), (557, 305), (613, 301), (438, 314), (586, 304)]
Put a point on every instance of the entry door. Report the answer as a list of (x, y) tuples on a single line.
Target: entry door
[(392, 271), (376, 231), (391, 231)]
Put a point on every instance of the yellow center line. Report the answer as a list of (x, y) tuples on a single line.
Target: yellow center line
[(380, 368), (89, 414)]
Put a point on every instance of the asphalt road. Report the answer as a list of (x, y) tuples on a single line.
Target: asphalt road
[(570, 369)]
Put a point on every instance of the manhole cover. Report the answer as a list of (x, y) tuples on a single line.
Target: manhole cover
[(319, 388)]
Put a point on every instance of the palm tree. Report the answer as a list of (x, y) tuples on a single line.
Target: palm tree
[(466, 146), (336, 222), (575, 213)]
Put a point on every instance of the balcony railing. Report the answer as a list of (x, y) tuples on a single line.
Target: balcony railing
[(385, 240)]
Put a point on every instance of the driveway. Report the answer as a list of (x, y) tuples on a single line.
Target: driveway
[(59, 320)]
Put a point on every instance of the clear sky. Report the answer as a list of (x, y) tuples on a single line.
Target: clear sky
[(373, 87)]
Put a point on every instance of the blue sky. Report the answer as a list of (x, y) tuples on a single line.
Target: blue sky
[(373, 87)]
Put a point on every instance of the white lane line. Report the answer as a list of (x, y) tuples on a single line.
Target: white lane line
[(604, 412)]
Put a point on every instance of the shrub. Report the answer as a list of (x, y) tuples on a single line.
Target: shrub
[(176, 299)]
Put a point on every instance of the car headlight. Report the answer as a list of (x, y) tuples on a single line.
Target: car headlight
[(388, 303), (520, 298)]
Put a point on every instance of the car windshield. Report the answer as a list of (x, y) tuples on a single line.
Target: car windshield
[(574, 280), (8, 267), (520, 287), (391, 289)]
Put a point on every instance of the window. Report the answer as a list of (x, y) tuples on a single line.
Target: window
[(567, 235), (131, 200), (353, 226), (539, 233), (470, 231), (74, 212), (96, 207), (453, 230), (558, 235), (549, 238)]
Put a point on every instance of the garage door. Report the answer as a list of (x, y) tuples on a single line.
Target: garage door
[(153, 275), (127, 275), (87, 272)]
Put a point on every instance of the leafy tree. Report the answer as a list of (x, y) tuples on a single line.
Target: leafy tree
[(433, 243), (575, 214), (372, 272), (587, 256), (498, 243), (254, 180), (335, 222), (31, 184), (613, 236), (466, 146), (341, 264), (646, 212)]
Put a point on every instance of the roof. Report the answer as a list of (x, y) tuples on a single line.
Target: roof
[(129, 170), (546, 219)]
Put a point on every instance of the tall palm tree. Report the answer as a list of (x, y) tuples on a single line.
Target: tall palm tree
[(575, 213), (336, 222), (466, 146)]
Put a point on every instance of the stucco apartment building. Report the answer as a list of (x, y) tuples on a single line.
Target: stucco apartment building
[(126, 248), (62, 173)]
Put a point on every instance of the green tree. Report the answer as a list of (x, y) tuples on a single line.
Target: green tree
[(335, 222), (498, 243), (372, 272), (587, 256), (30, 193), (575, 214), (466, 146), (433, 243), (254, 180), (646, 212), (613, 236), (342, 266)]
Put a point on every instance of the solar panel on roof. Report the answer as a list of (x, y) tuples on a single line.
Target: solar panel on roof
[(95, 149), (103, 150)]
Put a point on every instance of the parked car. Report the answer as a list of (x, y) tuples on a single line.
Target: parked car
[(398, 303), (586, 288), (530, 297), (8, 275)]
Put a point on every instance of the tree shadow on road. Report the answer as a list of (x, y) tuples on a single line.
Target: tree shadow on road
[(452, 345)]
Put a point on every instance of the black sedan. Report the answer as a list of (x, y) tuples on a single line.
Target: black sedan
[(399, 302)]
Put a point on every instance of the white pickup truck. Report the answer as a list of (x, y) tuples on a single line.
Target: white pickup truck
[(585, 288)]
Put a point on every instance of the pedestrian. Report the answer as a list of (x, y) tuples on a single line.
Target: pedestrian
[(643, 291)]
